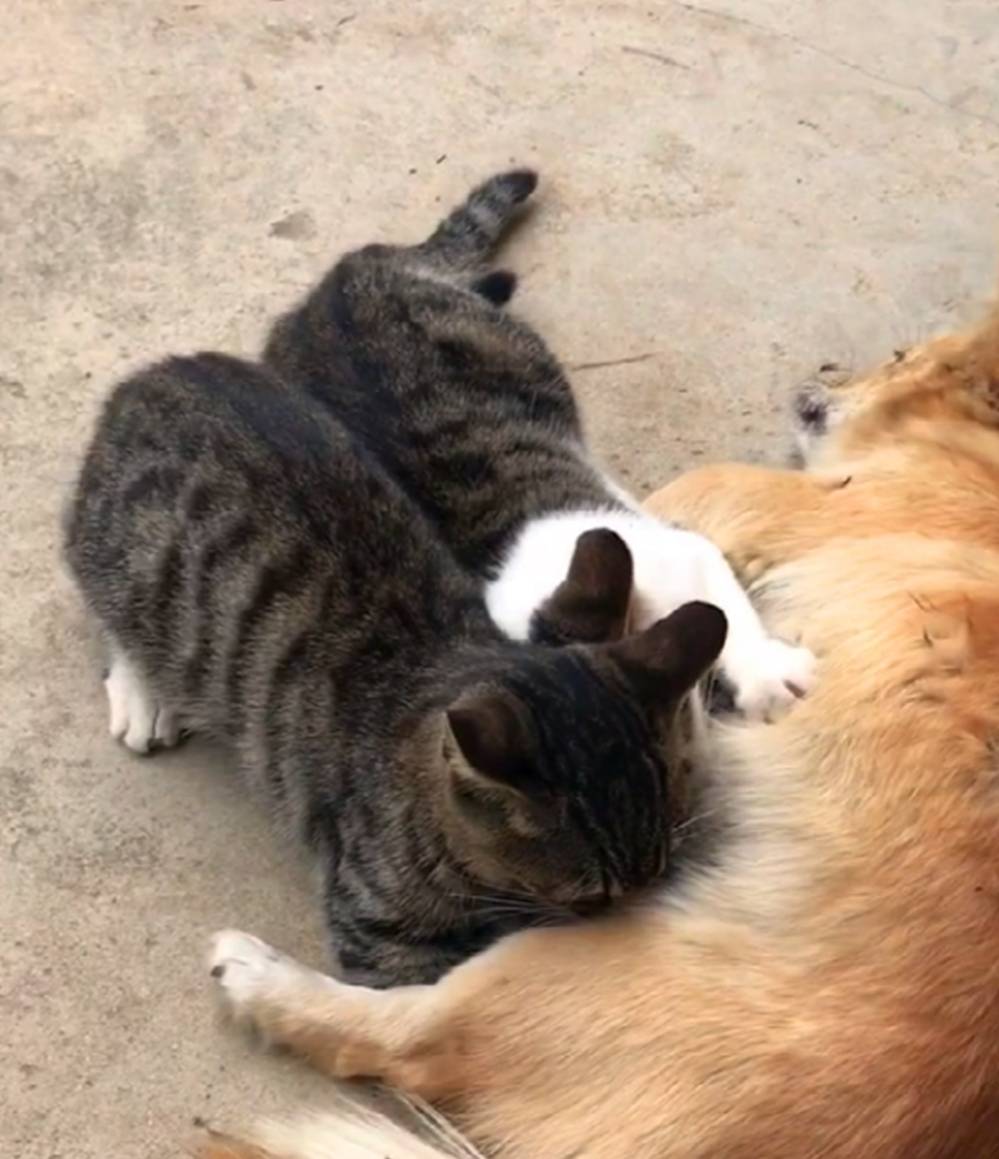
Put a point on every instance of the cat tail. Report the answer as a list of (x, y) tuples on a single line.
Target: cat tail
[(349, 1131), (469, 234)]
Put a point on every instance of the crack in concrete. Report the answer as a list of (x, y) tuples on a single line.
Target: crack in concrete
[(613, 362), (661, 57), (843, 61)]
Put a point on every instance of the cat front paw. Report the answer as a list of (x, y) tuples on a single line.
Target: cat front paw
[(135, 717), (769, 679)]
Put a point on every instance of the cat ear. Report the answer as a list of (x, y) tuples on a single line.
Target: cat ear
[(590, 606), (493, 739), (497, 286), (668, 658)]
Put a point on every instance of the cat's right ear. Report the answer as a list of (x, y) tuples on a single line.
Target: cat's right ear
[(590, 606), (667, 659), (493, 740), (497, 286)]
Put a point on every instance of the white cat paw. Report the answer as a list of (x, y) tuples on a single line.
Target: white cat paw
[(136, 719), (768, 680), (245, 968)]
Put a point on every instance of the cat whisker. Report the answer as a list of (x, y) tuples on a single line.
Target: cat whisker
[(694, 819)]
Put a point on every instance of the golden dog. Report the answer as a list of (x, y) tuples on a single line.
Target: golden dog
[(826, 983)]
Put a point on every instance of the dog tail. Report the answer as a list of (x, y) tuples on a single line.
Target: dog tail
[(348, 1131), (469, 234)]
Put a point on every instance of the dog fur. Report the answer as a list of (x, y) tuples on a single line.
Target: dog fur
[(827, 984)]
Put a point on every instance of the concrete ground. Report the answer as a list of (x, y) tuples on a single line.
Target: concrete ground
[(734, 194)]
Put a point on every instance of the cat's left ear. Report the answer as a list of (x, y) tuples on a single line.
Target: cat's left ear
[(590, 606), (494, 741)]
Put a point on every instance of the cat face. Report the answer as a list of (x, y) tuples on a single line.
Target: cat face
[(557, 778)]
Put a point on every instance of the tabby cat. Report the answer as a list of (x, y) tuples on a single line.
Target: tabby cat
[(259, 578), (474, 418)]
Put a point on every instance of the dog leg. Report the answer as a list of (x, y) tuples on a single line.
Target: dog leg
[(398, 1035)]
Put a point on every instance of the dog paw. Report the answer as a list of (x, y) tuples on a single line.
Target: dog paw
[(769, 680), (245, 969)]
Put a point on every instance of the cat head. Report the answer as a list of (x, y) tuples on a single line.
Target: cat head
[(557, 780)]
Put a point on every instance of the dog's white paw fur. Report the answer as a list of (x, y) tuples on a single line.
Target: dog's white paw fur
[(770, 678), (245, 968), (136, 719)]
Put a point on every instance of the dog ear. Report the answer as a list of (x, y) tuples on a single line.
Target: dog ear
[(590, 606), (978, 363)]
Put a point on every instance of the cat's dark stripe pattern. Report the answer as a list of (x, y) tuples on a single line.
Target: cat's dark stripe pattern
[(260, 579), (461, 401), (473, 416)]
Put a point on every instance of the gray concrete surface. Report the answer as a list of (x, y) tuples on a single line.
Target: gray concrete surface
[(735, 193)]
